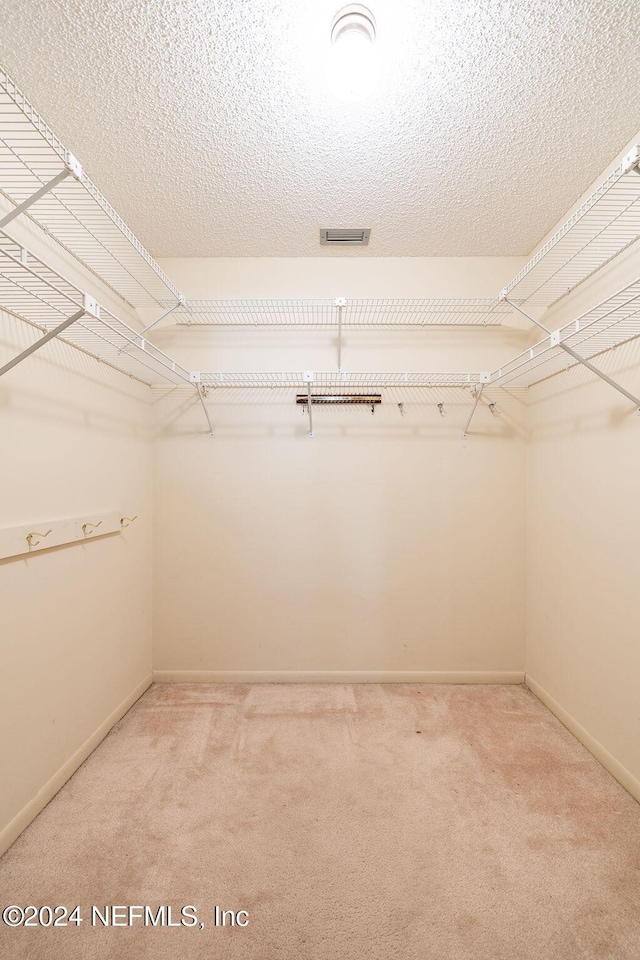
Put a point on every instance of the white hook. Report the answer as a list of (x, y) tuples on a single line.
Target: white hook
[(441, 409), (401, 409), (86, 532), (32, 542)]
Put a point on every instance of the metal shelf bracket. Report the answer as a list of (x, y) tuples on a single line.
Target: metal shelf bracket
[(201, 396), (556, 341), (632, 160), (340, 303), (72, 168), (475, 407), (181, 302), (41, 342)]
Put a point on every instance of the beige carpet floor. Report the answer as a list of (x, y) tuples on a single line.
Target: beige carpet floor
[(367, 821)]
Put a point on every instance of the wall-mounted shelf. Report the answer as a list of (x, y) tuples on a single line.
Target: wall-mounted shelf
[(350, 312), (313, 380), (339, 379), (604, 225), (74, 212), (43, 181), (40, 296), (611, 323)]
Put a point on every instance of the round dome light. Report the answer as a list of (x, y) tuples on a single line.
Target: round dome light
[(352, 69)]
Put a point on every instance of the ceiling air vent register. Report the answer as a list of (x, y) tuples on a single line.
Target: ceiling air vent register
[(351, 237)]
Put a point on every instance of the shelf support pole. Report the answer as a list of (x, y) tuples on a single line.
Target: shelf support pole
[(475, 407), (41, 342), (140, 336), (165, 314), (35, 197), (340, 303), (309, 409), (577, 357), (200, 390)]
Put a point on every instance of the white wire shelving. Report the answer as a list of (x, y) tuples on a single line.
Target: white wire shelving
[(608, 325), (337, 381), (40, 296), (341, 379), (41, 179), (603, 226), (342, 310), (73, 211)]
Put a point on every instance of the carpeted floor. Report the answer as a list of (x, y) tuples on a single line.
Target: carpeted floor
[(369, 821)]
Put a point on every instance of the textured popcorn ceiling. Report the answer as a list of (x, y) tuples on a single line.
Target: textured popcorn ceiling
[(209, 125)]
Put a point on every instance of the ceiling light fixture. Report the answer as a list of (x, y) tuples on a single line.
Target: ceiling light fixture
[(352, 70)]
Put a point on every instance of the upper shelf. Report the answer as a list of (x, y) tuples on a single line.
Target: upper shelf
[(611, 323), (340, 379), (349, 312), (74, 212), (40, 296), (606, 223)]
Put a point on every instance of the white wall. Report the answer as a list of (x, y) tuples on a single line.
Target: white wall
[(583, 650), (385, 545), (583, 532), (76, 620), (350, 277)]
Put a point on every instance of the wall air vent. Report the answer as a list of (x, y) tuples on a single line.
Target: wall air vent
[(353, 237)]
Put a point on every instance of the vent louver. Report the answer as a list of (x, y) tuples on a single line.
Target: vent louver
[(351, 237)]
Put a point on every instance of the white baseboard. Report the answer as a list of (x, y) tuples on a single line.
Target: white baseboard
[(31, 810), (622, 775), (337, 676)]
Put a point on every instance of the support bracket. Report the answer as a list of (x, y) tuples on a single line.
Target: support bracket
[(475, 407), (72, 168), (632, 160), (309, 406), (49, 336), (340, 303), (201, 395), (556, 341), (181, 302), (309, 376)]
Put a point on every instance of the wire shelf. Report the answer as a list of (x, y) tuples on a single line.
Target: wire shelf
[(340, 379), (606, 224), (611, 323), (40, 296), (355, 312), (75, 213)]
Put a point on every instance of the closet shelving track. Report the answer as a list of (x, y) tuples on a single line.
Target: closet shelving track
[(612, 323), (73, 212), (345, 311), (602, 227), (40, 179), (40, 296), (341, 379)]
